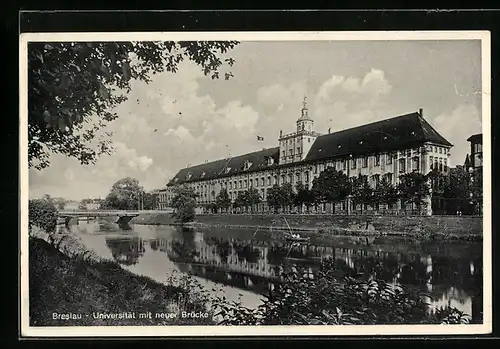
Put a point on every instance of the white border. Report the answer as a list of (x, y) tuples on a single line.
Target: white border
[(241, 331)]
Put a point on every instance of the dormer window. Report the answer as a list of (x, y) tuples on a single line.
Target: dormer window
[(202, 174), (227, 169), (247, 165), (188, 176), (270, 161)]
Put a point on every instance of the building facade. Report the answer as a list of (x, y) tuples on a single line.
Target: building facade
[(387, 148)]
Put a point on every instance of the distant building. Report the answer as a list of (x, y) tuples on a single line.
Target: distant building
[(387, 148), (475, 160), (71, 206), (92, 206)]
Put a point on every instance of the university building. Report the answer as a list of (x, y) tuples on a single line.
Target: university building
[(387, 148)]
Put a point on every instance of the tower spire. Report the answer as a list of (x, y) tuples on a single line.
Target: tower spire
[(304, 107)]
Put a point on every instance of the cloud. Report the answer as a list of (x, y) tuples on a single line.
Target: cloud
[(456, 126)]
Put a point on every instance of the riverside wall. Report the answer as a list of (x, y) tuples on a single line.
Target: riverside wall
[(465, 225)]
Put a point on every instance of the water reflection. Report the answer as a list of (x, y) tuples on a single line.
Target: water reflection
[(451, 273), (126, 251)]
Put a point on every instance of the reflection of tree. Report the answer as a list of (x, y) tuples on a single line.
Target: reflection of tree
[(126, 251), (183, 251), (223, 250), (153, 244)]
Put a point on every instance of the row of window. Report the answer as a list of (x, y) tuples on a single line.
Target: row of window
[(291, 140)]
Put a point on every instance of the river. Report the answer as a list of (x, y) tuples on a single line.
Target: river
[(244, 262)]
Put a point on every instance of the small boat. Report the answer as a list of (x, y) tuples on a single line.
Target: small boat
[(296, 238)]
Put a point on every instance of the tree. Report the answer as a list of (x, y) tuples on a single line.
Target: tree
[(252, 197), (149, 200), (124, 195), (414, 188), (241, 200), (362, 193), (476, 189), (303, 196), (184, 203), (274, 197), (42, 214), (286, 195), (222, 200), (331, 186), (74, 86), (384, 193)]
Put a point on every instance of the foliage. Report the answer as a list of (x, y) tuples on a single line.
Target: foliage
[(42, 214), (331, 186), (184, 203), (384, 193), (252, 197), (322, 298), (222, 200), (124, 195), (362, 193), (240, 200), (59, 203), (414, 188), (149, 200), (476, 189), (74, 86), (280, 196), (303, 196), (273, 197)]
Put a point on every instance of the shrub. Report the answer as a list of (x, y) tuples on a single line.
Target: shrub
[(43, 214), (322, 298)]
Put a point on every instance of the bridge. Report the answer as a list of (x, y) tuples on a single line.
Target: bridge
[(122, 217)]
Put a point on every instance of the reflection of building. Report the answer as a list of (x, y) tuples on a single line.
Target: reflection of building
[(126, 251), (387, 148)]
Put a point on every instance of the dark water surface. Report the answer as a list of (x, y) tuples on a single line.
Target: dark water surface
[(246, 261)]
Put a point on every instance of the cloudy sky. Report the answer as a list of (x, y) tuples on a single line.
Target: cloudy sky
[(186, 118)]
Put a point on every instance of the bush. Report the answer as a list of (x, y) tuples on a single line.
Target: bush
[(322, 298), (42, 214)]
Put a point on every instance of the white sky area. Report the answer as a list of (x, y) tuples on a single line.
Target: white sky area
[(186, 118)]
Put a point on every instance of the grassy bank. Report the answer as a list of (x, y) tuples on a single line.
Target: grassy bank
[(442, 229), (73, 291)]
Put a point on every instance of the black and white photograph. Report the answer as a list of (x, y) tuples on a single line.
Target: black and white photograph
[(255, 183)]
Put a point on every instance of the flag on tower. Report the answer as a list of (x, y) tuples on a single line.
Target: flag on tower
[(259, 138)]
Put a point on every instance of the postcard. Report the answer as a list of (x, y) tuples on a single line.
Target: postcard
[(186, 184)]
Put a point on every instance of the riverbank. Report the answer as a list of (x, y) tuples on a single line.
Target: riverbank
[(418, 227), (79, 291)]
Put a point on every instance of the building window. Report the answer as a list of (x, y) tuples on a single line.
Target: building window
[(307, 176), (256, 182), (315, 169), (353, 164), (440, 150), (431, 158), (389, 159), (376, 179), (298, 150), (402, 165), (309, 139), (440, 164), (344, 165), (478, 148), (365, 162), (250, 182), (435, 149), (290, 152), (377, 159), (408, 153), (282, 179), (445, 164), (283, 153), (245, 183), (262, 182), (416, 163), (269, 181)]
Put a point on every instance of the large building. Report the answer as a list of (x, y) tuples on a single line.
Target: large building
[(389, 148), (475, 159)]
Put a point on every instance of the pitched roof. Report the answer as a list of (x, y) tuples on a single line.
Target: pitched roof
[(257, 160), (475, 138), (404, 131), (396, 133)]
